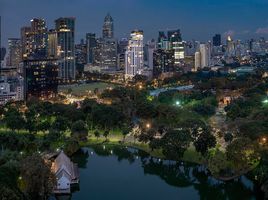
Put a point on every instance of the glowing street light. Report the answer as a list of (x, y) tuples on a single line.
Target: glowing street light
[(178, 103), (148, 125), (265, 101), (264, 139)]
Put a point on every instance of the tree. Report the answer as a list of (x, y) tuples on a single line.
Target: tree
[(8, 193), (217, 162), (243, 153), (71, 147), (60, 124), (106, 133), (97, 134), (205, 141), (37, 177), (79, 130), (228, 137), (14, 119), (43, 125), (147, 136), (175, 143)]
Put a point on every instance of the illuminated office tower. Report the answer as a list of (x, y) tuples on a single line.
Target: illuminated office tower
[(205, 55), (65, 28), (26, 35), (41, 78), (175, 42), (108, 27), (34, 39), (197, 60), (134, 62), (163, 61), (91, 43), (14, 52), (52, 44), (230, 46), (39, 37)]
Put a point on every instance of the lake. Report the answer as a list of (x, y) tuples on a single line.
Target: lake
[(121, 173)]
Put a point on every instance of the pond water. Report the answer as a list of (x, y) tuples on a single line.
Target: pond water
[(115, 173)]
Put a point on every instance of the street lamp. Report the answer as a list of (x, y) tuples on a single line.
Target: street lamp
[(178, 103), (265, 101), (148, 125)]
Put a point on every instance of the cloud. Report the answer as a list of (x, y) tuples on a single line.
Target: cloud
[(262, 30)]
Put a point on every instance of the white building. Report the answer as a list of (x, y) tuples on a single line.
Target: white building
[(205, 55), (197, 64), (11, 89), (66, 173), (134, 61)]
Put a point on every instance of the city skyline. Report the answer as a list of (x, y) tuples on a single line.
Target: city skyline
[(197, 20)]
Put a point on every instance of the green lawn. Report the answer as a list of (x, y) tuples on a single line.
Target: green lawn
[(83, 89)]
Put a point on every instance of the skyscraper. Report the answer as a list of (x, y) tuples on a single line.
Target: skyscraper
[(39, 37), (204, 55), (108, 46), (175, 42), (163, 61), (108, 27), (14, 52), (41, 78), (197, 60), (134, 54), (52, 47), (26, 35), (91, 44), (217, 40), (34, 39), (65, 28)]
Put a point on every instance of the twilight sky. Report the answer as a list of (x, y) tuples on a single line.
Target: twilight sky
[(197, 19)]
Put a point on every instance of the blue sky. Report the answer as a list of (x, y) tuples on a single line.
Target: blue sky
[(197, 19)]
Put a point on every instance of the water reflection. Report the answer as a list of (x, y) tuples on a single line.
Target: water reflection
[(177, 174)]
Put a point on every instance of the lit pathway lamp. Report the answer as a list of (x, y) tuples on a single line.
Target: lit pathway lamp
[(265, 101), (178, 103)]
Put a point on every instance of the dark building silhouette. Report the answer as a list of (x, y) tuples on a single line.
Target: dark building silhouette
[(217, 40), (40, 78)]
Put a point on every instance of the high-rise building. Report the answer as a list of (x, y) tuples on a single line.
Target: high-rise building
[(34, 39), (26, 40), (134, 54), (39, 37), (122, 47), (217, 40), (149, 49), (197, 60), (163, 42), (14, 52), (108, 27), (81, 54), (230, 46), (108, 55), (91, 44), (41, 78), (2, 53), (163, 62), (65, 28), (175, 42), (52, 47), (205, 55)]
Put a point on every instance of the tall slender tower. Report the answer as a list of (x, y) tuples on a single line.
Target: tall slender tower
[(65, 28), (108, 27), (134, 61)]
